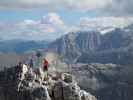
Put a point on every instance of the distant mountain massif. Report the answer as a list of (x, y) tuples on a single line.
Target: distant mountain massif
[(11, 51), (116, 46), (21, 46)]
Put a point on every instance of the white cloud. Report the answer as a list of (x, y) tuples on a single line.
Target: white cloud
[(120, 7), (55, 4), (115, 7), (22, 3), (82, 5), (50, 25), (102, 22), (54, 20)]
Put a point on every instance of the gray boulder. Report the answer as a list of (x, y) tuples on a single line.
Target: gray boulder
[(70, 91)]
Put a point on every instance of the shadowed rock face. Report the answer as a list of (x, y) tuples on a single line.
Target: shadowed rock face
[(73, 44), (105, 81), (63, 88), (39, 93)]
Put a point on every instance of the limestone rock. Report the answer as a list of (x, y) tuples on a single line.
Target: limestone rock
[(68, 78), (70, 91), (86, 96)]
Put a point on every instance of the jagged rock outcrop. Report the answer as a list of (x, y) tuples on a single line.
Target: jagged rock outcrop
[(54, 88)]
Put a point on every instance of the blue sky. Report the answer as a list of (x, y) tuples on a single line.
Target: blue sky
[(49, 19), (68, 16)]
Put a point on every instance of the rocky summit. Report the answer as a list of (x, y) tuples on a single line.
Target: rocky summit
[(19, 85)]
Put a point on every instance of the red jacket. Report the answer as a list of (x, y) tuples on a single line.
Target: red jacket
[(45, 62)]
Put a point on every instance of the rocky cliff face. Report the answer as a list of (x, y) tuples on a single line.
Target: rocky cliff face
[(74, 44), (54, 88), (116, 47), (88, 40)]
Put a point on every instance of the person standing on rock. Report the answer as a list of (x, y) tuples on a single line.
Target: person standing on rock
[(31, 63), (45, 67), (39, 58), (45, 64)]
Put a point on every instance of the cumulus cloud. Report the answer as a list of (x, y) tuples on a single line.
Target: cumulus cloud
[(54, 20), (42, 29)]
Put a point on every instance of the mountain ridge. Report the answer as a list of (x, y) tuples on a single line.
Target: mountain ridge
[(21, 46), (76, 45)]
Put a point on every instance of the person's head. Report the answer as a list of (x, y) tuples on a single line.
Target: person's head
[(31, 60), (45, 59), (38, 54), (19, 63)]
